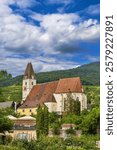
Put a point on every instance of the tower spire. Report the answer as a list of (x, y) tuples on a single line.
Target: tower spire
[(29, 72)]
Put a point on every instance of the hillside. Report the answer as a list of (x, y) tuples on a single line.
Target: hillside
[(4, 75), (89, 74), (11, 93)]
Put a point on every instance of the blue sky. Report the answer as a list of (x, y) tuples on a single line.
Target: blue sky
[(52, 34)]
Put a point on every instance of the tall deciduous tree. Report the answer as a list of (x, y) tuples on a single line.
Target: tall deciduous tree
[(42, 121), (77, 107), (5, 124)]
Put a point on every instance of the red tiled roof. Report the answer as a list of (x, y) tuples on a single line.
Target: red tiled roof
[(69, 85), (50, 98), (42, 93), (39, 94)]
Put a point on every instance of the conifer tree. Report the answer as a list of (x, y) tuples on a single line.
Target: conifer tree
[(71, 105), (42, 121), (77, 107)]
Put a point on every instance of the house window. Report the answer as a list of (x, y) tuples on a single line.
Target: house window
[(23, 110), (22, 136), (30, 110), (25, 83), (32, 83)]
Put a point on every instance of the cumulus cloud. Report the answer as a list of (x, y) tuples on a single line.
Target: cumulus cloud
[(68, 29), (54, 34)]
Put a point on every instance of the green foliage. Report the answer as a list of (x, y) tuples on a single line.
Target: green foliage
[(54, 122), (93, 95), (70, 118), (8, 139), (11, 93), (4, 75), (32, 145), (89, 142), (9, 148), (42, 121), (77, 107), (56, 127), (53, 117), (43, 143), (5, 124), (53, 143), (71, 105), (71, 131), (83, 143), (6, 112), (84, 112), (91, 122)]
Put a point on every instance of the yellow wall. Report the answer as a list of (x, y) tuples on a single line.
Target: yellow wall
[(27, 111)]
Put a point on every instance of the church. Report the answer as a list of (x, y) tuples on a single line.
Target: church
[(52, 94)]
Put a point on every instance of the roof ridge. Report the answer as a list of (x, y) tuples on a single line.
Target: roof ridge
[(47, 82)]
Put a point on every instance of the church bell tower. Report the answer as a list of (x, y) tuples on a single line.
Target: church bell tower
[(28, 81)]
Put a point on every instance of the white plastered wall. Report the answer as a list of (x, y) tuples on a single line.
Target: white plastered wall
[(60, 100), (26, 87), (52, 106)]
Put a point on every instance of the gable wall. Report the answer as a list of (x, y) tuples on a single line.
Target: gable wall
[(60, 100)]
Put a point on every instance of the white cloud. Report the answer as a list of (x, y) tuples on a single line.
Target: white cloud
[(26, 3), (66, 28), (6, 2), (93, 9), (92, 58), (56, 34)]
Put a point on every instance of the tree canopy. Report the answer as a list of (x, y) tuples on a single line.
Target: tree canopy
[(42, 121), (5, 124)]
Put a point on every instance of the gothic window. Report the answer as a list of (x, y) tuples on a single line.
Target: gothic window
[(24, 88)]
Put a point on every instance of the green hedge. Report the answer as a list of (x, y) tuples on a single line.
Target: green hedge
[(9, 148)]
